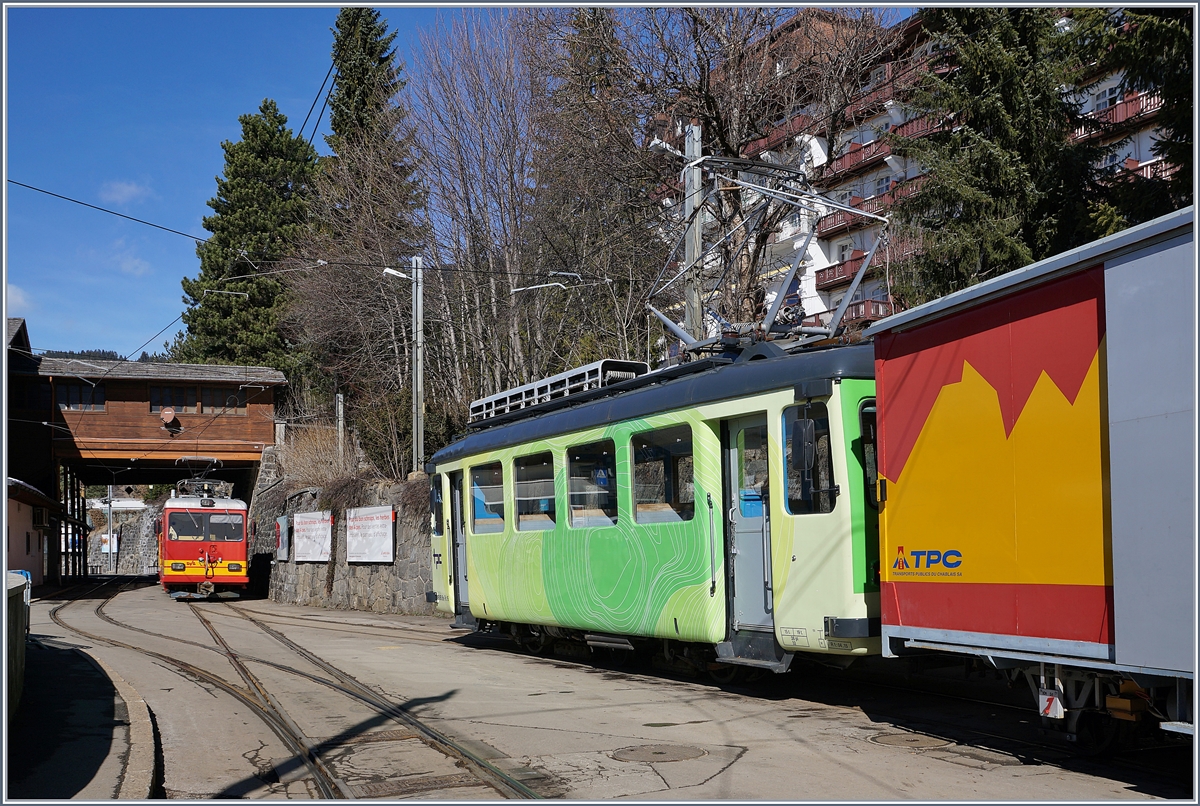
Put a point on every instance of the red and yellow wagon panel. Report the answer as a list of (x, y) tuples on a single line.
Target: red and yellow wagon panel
[(992, 461)]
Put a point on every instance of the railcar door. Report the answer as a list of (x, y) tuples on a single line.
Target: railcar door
[(459, 537), (748, 515)]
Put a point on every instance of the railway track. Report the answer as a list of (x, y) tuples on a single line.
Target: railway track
[(267, 707), (1140, 758)]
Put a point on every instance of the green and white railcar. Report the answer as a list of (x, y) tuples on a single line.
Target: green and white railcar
[(725, 506)]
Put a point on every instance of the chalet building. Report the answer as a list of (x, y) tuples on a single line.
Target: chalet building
[(74, 422)]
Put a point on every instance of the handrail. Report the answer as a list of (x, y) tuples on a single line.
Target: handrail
[(712, 547)]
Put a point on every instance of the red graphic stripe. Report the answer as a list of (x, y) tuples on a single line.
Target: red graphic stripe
[(1055, 328), (1061, 612)]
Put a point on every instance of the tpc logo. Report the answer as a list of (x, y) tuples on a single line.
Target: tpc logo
[(932, 557)]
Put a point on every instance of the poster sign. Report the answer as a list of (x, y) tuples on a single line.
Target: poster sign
[(369, 534), (283, 538), (108, 543), (312, 535)]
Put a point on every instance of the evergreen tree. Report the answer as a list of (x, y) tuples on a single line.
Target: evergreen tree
[(367, 74), (260, 209), (1005, 183)]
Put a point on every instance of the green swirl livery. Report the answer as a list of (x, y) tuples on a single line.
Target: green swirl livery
[(725, 507)]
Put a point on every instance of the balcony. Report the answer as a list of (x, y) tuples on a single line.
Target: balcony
[(840, 273), (1128, 110), (778, 135), (868, 310), (844, 220), (859, 157), (1154, 169), (863, 156)]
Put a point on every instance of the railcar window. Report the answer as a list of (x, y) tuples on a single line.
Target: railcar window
[(185, 526), (663, 490), (593, 484), (227, 526), (534, 477), (487, 498), (812, 492), (753, 482), (870, 442), (214, 526), (436, 514)]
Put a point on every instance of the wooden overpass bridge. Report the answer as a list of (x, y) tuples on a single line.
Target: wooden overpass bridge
[(74, 422)]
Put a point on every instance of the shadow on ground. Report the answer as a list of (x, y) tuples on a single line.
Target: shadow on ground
[(63, 727)]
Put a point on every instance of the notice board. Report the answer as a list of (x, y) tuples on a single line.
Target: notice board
[(312, 535), (369, 535)]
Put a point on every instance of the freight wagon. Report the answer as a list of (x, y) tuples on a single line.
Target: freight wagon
[(1037, 474)]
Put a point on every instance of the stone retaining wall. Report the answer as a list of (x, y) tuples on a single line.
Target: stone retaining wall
[(137, 546), (396, 587)]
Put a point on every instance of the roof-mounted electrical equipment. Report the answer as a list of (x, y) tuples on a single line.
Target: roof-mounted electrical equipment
[(592, 376)]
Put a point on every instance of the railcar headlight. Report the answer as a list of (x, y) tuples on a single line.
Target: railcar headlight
[(178, 566), (235, 567)]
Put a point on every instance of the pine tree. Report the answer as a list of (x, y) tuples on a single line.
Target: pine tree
[(367, 74), (1005, 184), (260, 209)]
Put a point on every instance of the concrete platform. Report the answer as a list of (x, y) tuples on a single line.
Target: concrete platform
[(80, 731)]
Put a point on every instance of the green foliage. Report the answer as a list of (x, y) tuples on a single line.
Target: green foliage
[(103, 355), (260, 209), (1005, 183), (367, 75)]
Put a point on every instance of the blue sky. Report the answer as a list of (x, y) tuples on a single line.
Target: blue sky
[(126, 108)]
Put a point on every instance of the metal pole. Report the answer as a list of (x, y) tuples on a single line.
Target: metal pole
[(693, 312), (339, 413), (419, 366), (110, 529)]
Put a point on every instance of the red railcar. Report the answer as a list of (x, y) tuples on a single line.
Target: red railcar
[(201, 542)]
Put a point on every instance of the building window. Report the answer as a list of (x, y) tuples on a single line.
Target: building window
[(844, 250), (223, 400), (180, 398), (810, 488), (534, 479), (1107, 98), (663, 476), (80, 397), (592, 471), (198, 400), (883, 184), (487, 498), (31, 396)]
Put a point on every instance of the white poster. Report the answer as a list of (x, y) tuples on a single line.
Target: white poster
[(369, 534), (108, 543), (312, 535)]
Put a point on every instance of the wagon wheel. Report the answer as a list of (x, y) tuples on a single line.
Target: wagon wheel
[(535, 641), (725, 674)]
